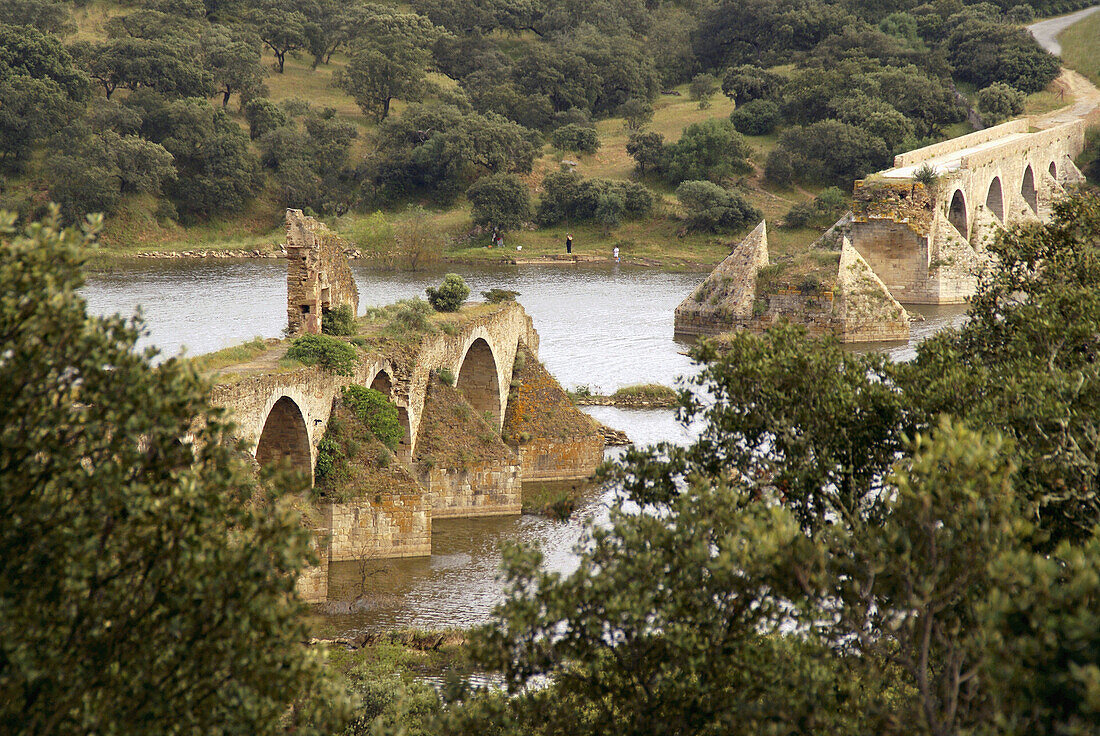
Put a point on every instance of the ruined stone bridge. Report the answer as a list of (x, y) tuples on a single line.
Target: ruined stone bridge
[(928, 245), (284, 414), (505, 420)]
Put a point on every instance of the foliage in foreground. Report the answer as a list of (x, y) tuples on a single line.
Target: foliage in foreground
[(841, 551), (146, 580)]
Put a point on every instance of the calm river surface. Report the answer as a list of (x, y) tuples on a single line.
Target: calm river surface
[(605, 327)]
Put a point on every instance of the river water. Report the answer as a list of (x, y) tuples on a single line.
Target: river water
[(600, 326)]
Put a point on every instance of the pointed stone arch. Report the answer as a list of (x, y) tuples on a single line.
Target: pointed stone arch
[(478, 381), (1028, 190), (383, 383), (995, 199), (1053, 170), (956, 213), (285, 438)]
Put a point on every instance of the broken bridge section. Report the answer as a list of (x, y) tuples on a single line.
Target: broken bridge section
[(928, 241), (318, 277)]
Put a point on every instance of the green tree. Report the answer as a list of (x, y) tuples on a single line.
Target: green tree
[(756, 117), (710, 207), (127, 498), (47, 16), (133, 63), (449, 295), (215, 171), (986, 52), (648, 151), (702, 88), (635, 113), (500, 201), (390, 61), (263, 116), (281, 28), (234, 63), (746, 83), (833, 152), (711, 150), (41, 89), (573, 137), (999, 102), (94, 172), (377, 413)]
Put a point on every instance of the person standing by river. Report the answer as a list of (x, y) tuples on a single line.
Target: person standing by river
[(568, 242)]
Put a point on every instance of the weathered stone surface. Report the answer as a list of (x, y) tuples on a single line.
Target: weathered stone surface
[(318, 276), (928, 248), (859, 309), (727, 295)]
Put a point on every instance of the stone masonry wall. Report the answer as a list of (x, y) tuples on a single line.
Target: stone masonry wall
[(390, 525), (548, 460), (318, 276), (491, 488)]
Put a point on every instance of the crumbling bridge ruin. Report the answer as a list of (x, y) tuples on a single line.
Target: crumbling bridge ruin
[(504, 396), (928, 244), (918, 233)]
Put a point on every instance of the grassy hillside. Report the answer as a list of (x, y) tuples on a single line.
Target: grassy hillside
[(659, 240), (1081, 47)]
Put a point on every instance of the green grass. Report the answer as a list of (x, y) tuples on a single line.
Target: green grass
[(235, 354), (651, 391), (1081, 47)]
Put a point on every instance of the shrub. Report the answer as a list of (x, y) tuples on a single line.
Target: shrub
[(568, 196), (377, 413), (573, 137), (779, 167), (500, 200), (708, 206), (747, 83), (446, 376), (702, 88), (823, 210), (999, 102), (327, 352), (449, 295), (758, 117), (339, 321), (496, 296), (263, 116), (710, 150)]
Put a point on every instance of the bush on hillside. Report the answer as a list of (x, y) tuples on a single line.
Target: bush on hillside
[(823, 210), (376, 412), (573, 137), (568, 196), (757, 117), (708, 206), (324, 351), (500, 201), (449, 295), (999, 102)]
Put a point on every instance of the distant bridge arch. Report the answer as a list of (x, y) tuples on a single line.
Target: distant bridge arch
[(284, 438), (478, 379)]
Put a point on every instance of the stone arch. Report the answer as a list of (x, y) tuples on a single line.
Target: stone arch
[(956, 214), (383, 383), (1053, 169), (1028, 190), (995, 199), (285, 438), (405, 446), (478, 379)]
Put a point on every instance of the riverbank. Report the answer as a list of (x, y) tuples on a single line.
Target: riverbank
[(638, 396)]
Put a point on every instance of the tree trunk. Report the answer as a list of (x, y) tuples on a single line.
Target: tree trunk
[(280, 57), (386, 108), (225, 97)]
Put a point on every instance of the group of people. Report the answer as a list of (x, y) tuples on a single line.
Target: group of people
[(497, 241)]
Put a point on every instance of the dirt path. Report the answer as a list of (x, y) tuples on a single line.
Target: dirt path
[(1072, 85), (1046, 31)]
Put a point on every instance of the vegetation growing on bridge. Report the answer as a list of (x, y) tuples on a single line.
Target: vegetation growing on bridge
[(449, 295), (376, 412), (352, 462), (325, 351)]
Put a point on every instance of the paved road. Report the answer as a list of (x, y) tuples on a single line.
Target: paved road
[(1046, 31)]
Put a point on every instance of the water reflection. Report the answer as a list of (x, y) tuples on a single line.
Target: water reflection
[(605, 327)]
